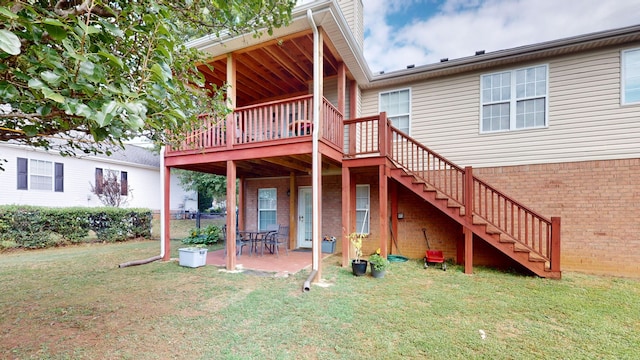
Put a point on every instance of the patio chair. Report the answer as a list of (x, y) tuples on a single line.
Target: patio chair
[(240, 242), (276, 239)]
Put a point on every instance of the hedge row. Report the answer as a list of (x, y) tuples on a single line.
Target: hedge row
[(39, 227)]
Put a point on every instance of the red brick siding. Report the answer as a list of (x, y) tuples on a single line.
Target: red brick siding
[(331, 202), (599, 202)]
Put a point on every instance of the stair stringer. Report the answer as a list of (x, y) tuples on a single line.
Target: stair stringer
[(480, 227)]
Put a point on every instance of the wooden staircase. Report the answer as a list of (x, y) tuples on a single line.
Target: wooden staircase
[(510, 227)]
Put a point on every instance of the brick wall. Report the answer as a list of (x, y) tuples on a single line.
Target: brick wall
[(599, 202), (331, 202)]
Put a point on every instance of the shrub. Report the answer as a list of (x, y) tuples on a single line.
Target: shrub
[(208, 235), (38, 227)]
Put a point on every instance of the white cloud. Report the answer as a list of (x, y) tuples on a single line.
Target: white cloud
[(460, 27)]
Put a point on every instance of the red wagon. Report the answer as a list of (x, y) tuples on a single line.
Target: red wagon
[(433, 256)]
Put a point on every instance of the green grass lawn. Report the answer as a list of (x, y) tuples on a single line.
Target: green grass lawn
[(75, 303)]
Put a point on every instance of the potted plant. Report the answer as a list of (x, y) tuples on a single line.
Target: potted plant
[(379, 264), (358, 266)]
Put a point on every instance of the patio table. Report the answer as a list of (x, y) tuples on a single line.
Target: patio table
[(255, 237)]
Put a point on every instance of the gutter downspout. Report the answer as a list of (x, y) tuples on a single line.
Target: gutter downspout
[(162, 200), (162, 222), (315, 154)]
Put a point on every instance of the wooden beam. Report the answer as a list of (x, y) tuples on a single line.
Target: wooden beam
[(288, 163), (293, 210), (383, 205), (353, 97), (291, 69), (167, 214), (468, 251), (393, 195), (231, 220), (342, 87), (346, 215)]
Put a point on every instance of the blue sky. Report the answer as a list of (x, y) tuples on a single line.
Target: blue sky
[(404, 32)]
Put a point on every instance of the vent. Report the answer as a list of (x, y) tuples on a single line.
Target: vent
[(480, 52), (444, 59)]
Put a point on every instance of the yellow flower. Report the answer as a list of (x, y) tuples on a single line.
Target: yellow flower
[(378, 251)]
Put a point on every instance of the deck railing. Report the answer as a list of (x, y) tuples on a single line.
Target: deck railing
[(376, 136), (276, 120)]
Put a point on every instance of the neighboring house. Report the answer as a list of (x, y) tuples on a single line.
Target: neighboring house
[(525, 158), (44, 178)]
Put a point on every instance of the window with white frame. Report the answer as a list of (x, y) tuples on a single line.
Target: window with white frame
[(267, 208), (38, 174), (515, 99), (630, 76), (397, 105), (362, 209)]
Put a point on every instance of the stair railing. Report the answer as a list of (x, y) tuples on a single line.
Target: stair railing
[(530, 229)]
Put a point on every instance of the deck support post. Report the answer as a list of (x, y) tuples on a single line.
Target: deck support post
[(393, 194), (555, 244), (231, 219), (468, 251), (293, 200), (383, 204), (346, 215)]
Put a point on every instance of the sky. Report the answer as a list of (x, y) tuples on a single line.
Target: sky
[(420, 32)]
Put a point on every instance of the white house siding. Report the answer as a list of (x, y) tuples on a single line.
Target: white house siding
[(586, 121), (79, 173)]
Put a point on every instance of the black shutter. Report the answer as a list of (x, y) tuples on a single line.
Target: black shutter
[(99, 181), (23, 173), (124, 185), (59, 177)]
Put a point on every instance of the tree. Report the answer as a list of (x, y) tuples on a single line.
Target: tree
[(76, 75), (207, 185)]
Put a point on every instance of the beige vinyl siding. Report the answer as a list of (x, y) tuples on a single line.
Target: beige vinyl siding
[(353, 13), (585, 119)]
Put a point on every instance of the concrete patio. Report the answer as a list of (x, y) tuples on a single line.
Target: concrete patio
[(283, 265)]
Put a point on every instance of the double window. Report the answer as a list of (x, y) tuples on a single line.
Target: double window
[(362, 209), (513, 100), (267, 208), (630, 77), (397, 105), (37, 174)]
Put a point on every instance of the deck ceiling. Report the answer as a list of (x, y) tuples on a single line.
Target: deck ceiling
[(277, 166), (273, 70)]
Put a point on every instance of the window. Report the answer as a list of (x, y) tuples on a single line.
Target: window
[(514, 100), (362, 209), (108, 177), (630, 76), (37, 174), (267, 205), (397, 105)]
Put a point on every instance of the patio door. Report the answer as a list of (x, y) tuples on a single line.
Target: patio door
[(305, 217)]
